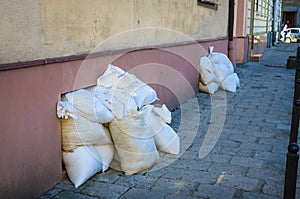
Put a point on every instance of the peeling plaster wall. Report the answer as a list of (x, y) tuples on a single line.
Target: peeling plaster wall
[(38, 29)]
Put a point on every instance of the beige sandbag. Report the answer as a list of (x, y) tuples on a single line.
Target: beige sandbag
[(163, 112), (80, 131), (166, 139), (210, 88), (89, 106), (206, 70), (82, 164), (231, 83), (123, 92), (222, 71), (221, 58), (134, 142), (222, 65), (107, 154)]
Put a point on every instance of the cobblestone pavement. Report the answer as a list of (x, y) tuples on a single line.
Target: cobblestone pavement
[(247, 160)]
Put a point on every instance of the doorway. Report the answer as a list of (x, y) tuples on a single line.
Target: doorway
[(289, 18)]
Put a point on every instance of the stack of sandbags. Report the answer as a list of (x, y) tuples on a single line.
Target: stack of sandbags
[(122, 92), (87, 145), (208, 80), (216, 70), (136, 130), (132, 132), (125, 96), (166, 139), (134, 141)]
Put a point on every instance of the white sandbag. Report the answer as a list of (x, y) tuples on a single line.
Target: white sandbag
[(237, 80), (134, 142), (81, 131), (210, 88), (110, 76), (103, 94), (82, 164), (89, 106), (106, 153), (222, 71), (222, 64), (116, 163), (231, 83), (166, 139), (163, 112), (206, 70), (144, 95), (220, 58), (122, 103), (128, 93), (64, 110), (119, 101)]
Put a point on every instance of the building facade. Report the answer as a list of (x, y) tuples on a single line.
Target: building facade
[(264, 24), (291, 13), (51, 47)]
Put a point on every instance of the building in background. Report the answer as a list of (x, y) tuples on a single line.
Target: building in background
[(291, 13), (257, 26), (264, 24)]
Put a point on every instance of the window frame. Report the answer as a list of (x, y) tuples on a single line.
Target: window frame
[(208, 4)]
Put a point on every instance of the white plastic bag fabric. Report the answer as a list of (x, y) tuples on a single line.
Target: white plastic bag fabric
[(128, 93), (79, 132), (82, 164), (220, 58), (144, 95), (222, 71), (210, 88), (207, 71), (163, 112), (216, 70), (89, 106), (166, 139), (103, 94), (134, 142), (237, 80), (231, 83), (106, 153), (221, 64), (64, 110)]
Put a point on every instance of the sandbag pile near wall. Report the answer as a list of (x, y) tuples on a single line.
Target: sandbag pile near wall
[(123, 92), (86, 143), (216, 71), (114, 121)]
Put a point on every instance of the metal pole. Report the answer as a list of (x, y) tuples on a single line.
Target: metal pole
[(292, 156), (291, 171), (297, 76), (295, 121)]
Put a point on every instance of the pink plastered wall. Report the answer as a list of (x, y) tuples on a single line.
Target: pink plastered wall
[(242, 50)]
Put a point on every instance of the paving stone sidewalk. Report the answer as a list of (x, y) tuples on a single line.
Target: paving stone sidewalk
[(233, 145)]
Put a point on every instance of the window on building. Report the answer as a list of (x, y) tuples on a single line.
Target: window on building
[(213, 4)]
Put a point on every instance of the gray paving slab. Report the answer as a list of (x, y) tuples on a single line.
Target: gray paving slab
[(246, 159), (214, 191)]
